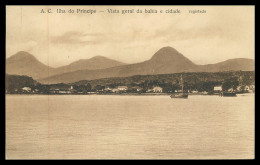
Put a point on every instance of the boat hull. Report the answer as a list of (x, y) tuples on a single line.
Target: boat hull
[(229, 94), (180, 96)]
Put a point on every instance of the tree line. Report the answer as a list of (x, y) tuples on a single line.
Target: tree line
[(198, 81)]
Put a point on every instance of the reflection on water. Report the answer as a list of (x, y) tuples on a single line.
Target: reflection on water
[(126, 127)]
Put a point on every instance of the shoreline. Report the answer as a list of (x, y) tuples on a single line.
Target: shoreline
[(122, 94)]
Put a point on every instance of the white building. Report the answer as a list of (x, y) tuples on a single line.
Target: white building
[(246, 88), (217, 88), (195, 91), (115, 90), (149, 90), (137, 88), (122, 88), (157, 89), (108, 89), (26, 89)]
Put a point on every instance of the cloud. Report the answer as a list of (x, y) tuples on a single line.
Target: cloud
[(75, 37), (178, 34), (222, 33)]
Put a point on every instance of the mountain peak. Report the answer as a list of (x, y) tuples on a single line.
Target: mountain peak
[(24, 63), (166, 53), (98, 58), (168, 48), (96, 62), (22, 55)]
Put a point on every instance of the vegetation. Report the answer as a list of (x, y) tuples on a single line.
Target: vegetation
[(200, 81), (14, 83), (193, 81)]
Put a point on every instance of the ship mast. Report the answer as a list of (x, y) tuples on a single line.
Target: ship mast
[(181, 84)]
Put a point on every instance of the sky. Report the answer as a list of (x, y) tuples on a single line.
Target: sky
[(57, 39)]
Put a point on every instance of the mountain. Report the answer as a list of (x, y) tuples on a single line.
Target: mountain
[(164, 61), (23, 63), (97, 62), (232, 64)]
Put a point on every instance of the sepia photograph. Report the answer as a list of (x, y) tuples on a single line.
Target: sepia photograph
[(130, 82)]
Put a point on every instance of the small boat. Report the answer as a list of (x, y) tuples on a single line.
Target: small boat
[(181, 95), (229, 94)]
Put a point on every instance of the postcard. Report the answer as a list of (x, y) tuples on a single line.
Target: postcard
[(130, 82)]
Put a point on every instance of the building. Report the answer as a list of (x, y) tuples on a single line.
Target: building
[(137, 88), (62, 90), (108, 90), (157, 89), (230, 90), (53, 90), (247, 88), (195, 91), (35, 91), (122, 88), (252, 86), (217, 89), (149, 90), (239, 88), (26, 89), (115, 90)]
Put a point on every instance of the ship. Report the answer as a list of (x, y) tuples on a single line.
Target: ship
[(229, 94), (181, 95)]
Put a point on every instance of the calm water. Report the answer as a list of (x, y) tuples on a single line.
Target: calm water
[(129, 127)]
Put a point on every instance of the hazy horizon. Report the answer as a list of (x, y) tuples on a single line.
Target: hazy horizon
[(224, 32)]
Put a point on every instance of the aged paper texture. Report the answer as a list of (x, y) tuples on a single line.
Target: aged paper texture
[(130, 82)]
